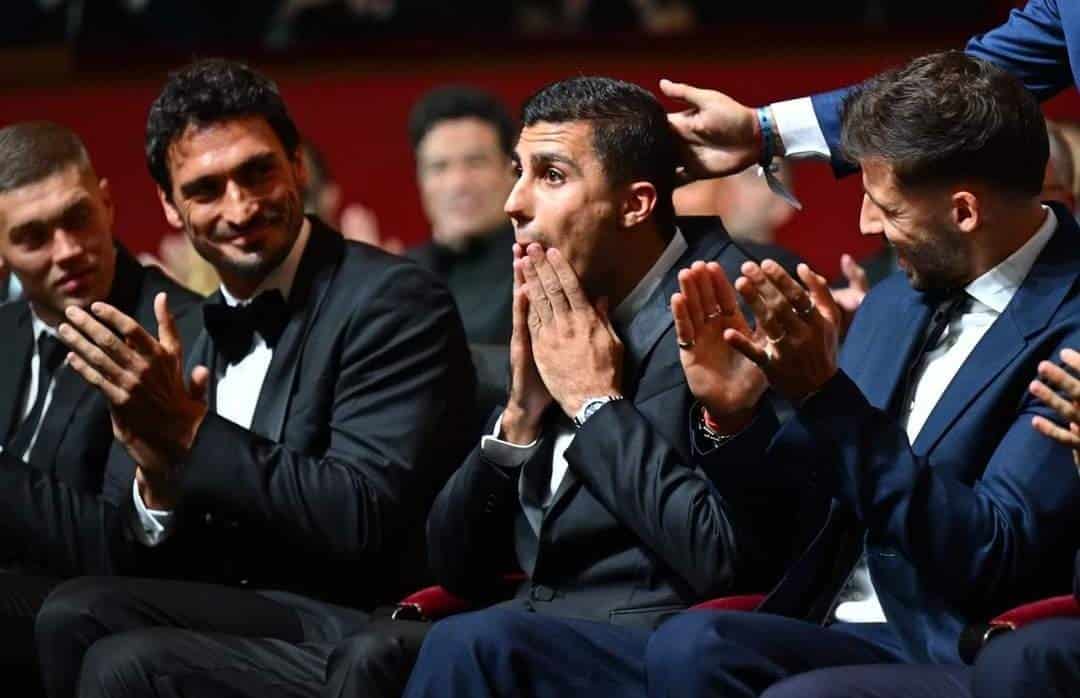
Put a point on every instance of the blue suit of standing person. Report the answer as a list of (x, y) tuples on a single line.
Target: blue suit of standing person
[(923, 430)]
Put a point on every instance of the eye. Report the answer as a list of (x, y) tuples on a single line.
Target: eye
[(553, 176), (76, 218), (516, 169), (31, 236)]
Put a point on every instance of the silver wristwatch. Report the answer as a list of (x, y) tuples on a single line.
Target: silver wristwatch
[(590, 406)]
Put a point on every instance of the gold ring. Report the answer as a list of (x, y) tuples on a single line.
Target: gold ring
[(686, 345)]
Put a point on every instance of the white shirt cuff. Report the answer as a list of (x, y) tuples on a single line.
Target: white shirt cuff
[(504, 453), (152, 525), (799, 129)]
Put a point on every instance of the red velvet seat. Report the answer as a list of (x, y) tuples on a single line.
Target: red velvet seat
[(977, 635)]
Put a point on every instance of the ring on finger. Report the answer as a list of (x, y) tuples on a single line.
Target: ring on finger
[(768, 355), (775, 340), (717, 312), (686, 345)]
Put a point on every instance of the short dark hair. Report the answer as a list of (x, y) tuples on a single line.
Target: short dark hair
[(460, 102), (206, 92), (949, 116), (630, 131), (33, 150)]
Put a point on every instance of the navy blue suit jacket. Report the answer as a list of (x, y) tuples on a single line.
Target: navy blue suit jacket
[(980, 513), (1039, 44)]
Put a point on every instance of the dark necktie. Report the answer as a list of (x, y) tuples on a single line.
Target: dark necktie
[(232, 328), (51, 353), (940, 320)]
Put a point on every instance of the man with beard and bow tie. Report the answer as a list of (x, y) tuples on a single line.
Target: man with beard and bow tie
[(285, 460)]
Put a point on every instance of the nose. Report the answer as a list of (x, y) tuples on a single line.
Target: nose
[(240, 206), (66, 245), (518, 205), (870, 218)]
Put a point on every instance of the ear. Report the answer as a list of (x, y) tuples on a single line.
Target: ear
[(965, 211), (171, 214), (107, 201), (638, 204)]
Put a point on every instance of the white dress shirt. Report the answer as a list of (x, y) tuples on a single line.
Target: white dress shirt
[(986, 299), (511, 455), (37, 327), (237, 391)]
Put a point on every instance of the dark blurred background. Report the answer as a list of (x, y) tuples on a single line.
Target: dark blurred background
[(351, 69)]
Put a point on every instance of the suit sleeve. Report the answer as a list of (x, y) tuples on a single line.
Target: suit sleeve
[(975, 542), (1031, 46), (402, 397), (672, 507), (470, 530)]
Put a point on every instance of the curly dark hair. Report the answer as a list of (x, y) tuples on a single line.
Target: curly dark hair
[(205, 92), (949, 116), (630, 131), (460, 102)]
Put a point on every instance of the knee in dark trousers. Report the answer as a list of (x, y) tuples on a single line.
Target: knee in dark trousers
[(1041, 659), (115, 666), (376, 662)]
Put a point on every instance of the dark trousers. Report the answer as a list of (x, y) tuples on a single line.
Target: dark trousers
[(121, 636), (1041, 659), (21, 596), (503, 652), (736, 655)]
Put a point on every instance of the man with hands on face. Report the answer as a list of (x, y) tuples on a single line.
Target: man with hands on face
[(286, 456), (591, 480), (921, 426)]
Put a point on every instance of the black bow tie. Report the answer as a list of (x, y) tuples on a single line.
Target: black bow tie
[(232, 328)]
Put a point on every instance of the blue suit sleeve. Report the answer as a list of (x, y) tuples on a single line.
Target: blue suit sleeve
[(976, 541), (827, 108), (1031, 46)]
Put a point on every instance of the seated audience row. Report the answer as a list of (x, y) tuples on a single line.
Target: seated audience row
[(263, 502)]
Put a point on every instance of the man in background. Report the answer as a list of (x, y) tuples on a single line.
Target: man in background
[(462, 139)]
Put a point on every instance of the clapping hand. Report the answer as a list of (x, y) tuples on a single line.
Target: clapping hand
[(1060, 390), (722, 378)]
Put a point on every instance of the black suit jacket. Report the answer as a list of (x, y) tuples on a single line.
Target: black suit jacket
[(44, 504), (363, 414), (642, 525)]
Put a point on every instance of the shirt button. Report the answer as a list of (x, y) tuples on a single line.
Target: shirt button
[(208, 518)]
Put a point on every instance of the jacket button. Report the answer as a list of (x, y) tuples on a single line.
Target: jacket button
[(539, 592)]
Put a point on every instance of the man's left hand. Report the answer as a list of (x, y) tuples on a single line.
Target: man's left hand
[(574, 345), (154, 414), (798, 348)]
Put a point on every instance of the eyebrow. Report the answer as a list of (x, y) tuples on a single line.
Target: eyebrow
[(83, 200), (541, 158)]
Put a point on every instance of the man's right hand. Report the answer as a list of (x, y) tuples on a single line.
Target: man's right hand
[(719, 135), (725, 381), (529, 397)]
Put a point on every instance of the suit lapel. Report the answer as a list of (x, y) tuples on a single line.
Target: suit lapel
[(313, 276), (654, 319), (15, 355), (1051, 278), (904, 330)]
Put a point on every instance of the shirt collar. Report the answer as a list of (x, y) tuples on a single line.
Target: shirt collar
[(644, 289), (996, 287), (37, 326), (281, 278)]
